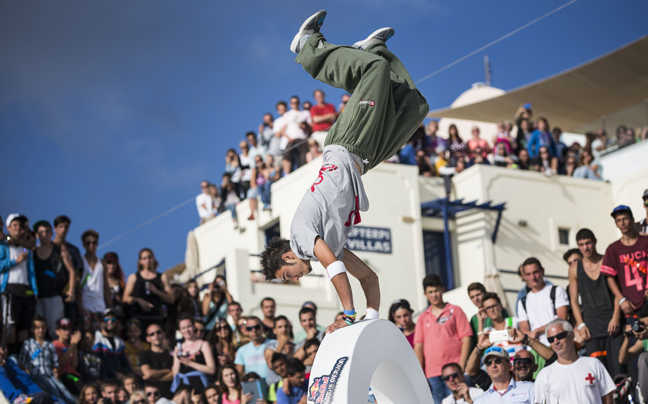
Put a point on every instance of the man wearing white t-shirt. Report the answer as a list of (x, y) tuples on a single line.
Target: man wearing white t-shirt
[(204, 203), (571, 379), (296, 130), (542, 304)]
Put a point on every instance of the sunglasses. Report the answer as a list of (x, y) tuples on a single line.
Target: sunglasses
[(91, 243), (489, 361), (158, 332), (454, 375), (142, 401), (522, 361), (254, 327), (110, 319), (153, 393), (221, 327), (559, 337)]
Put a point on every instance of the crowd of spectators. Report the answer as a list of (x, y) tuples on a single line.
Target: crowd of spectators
[(297, 136), (280, 146), (523, 143), (75, 329)]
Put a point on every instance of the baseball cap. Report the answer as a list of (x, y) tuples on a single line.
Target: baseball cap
[(496, 351), (310, 304), (109, 312), (111, 257), (63, 322), (15, 216), (645, 194), (621, 209)]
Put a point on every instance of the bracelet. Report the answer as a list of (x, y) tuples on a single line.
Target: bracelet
[(622, 300), (350, 313), (348, 319), (480, 332), (525, 341), (581, 325)]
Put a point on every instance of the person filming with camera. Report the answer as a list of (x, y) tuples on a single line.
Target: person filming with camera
[(630, 349), (216, 301)]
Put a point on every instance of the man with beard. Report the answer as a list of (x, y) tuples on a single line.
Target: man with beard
[(110, 348)]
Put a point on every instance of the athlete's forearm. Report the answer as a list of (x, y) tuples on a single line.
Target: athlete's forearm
[(343, 289), (368, 278)]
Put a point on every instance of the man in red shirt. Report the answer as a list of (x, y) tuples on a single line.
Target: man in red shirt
[(442, 335), (625, 262), (323, 115)]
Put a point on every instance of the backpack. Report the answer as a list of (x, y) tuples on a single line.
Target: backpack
[(552, 294)]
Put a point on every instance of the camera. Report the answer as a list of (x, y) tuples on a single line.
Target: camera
[(638, 326)]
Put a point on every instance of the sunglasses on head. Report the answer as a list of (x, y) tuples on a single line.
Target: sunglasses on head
[(489, 361), (522, 361), (559, 336), (254, 327), (454, 375), (158, 332), (110, 319)]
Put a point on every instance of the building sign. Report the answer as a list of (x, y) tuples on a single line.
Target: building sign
[(370, 239)]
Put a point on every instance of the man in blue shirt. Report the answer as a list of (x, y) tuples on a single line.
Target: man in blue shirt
[(294, 385), (504, 388)]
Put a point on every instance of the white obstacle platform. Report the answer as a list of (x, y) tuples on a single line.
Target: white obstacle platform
[(369, 353)]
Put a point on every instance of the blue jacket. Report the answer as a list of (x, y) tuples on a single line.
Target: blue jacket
[(536, 142), (6, 263)]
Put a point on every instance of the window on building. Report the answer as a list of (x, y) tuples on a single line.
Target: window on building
[(271, 232), (563, 236), (435, 256)]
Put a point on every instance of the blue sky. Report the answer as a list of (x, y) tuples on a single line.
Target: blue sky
[(112, 112)]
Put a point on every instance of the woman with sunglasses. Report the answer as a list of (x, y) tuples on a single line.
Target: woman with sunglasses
[(147, 290), (193, 361), (221, 338), (400, 313)]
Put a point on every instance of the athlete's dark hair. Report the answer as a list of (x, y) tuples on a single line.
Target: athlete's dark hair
[(294, 366), (571, 252), (432, 280), (585, 234), (271, 259)]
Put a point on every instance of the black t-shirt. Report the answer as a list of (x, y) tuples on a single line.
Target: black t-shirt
[(158, 361), (51, 275), (482, 380)]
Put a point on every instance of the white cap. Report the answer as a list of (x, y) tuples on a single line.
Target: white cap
[(14, 216)]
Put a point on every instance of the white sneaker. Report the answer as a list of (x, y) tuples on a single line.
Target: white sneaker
[(382, 34), (308, 28)]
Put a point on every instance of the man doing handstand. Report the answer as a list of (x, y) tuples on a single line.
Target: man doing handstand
[(383, 112)]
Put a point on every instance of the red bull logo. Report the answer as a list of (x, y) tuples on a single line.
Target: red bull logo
[(322, 389)]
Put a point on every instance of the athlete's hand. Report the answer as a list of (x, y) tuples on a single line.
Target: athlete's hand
[(336, 325), (628, 308)]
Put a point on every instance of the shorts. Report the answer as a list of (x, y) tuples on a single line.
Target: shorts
[(18, 311), (252, 193)]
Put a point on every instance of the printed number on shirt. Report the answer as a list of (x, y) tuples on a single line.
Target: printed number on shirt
[(632, 277), (320, 176)]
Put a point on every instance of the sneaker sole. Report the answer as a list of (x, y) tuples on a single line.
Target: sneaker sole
[(313, 22), (382, 34)]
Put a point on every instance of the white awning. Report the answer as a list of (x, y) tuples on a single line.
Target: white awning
[(613, 87)]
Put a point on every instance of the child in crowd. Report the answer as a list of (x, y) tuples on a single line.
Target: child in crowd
[(294, 384), (38, 358)]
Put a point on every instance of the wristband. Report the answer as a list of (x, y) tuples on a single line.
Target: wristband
[(372, 314), (351, 313), (525, 341), (347, 319), (622, 300), (581, 325), (335, 268)]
